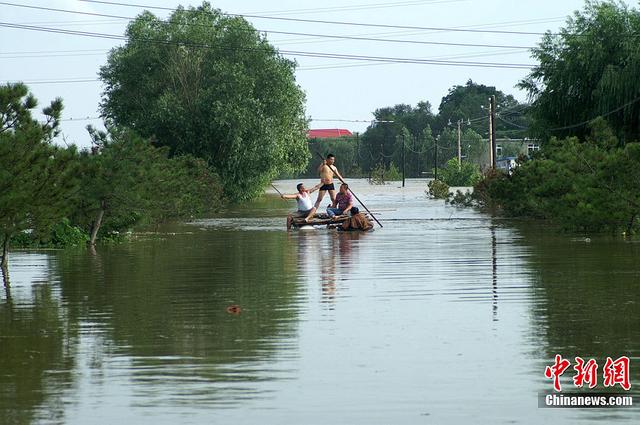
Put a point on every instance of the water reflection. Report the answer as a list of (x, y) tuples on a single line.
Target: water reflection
[(36, 358), (326, 258), (163, 309), (494, 269), (445, 316)]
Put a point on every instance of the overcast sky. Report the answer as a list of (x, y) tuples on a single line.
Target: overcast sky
[(337, 89)]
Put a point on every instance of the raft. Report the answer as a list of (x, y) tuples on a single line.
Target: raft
[(323, 219)]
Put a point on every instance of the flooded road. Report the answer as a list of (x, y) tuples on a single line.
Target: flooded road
[(445, 315)]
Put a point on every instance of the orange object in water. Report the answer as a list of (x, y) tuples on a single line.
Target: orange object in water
[(234, 309)]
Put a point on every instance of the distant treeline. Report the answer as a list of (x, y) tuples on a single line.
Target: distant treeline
[(419, 139)]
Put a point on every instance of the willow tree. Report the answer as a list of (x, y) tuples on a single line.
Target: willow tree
[(588, 69), (210, 85)]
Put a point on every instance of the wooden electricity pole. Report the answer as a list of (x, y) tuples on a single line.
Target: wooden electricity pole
[(492, 131)]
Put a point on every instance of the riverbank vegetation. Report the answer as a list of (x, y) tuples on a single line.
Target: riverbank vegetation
[(189, 126), (60, 196), (586, 111)]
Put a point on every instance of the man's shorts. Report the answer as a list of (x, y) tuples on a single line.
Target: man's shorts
[(329, 186)]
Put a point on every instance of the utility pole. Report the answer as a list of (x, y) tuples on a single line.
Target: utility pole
[(490, 141), (358, 150), (435, 146), (402, 159), (492, 131), (459, 151)]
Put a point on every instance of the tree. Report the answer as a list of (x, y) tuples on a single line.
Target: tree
[(465, 174), (587, 185), (210, 85), (382, 142), (127, 180), (470, 102), (589, 69), (36, 177), (345, 149)]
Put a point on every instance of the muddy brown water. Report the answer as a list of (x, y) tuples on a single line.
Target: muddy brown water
[(445, 315)]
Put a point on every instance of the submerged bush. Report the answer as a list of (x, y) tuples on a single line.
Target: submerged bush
[(62, 235), (438, 189), (583, 185), (465, 174), (381, 174)]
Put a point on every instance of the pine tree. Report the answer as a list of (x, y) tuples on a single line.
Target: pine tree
[(36, 177)]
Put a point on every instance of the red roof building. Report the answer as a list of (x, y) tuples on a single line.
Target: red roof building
[(328, 133)]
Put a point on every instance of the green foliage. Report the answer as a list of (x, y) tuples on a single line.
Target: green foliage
[(126, 180), (382, 175), (211, 86), (467, 102), (589, 68), (586, 185), (398, 126), (345, 150), (405, 128), (36, 177), (464, 174), (64, 235), (462, 199), (438, 189)]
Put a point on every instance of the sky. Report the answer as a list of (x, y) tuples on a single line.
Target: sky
[(341, 93)]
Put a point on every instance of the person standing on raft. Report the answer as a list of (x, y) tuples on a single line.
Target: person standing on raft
[(327, 171)]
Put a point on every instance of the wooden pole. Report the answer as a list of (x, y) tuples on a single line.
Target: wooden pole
[(494, 142), (403, 166), (435, 147), (459, 150), (276, 189)]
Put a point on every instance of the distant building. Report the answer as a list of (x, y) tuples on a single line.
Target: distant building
[(508, 150), (514, 147), (507, 164), (328, 133)]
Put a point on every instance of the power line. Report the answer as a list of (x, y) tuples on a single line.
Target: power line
[(511, 123), (329, 36), (361, 24), (341, 120), (63, 55), (358, 7), (619, 108), (101, 52), (81, 119), (58, 81), (51, 51), (353, 65), (282, 52)]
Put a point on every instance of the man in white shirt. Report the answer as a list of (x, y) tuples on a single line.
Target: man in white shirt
[(306, 208)]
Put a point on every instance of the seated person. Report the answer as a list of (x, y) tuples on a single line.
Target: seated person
[(357, 221), (343, 202), (305, 206)]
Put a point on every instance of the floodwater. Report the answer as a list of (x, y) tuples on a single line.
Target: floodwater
[(445, 315)]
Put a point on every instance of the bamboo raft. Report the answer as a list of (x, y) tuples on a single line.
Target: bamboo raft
[(323, 219)]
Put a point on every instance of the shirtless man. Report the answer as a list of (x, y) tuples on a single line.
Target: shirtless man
[(327, 171)]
